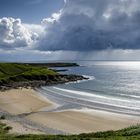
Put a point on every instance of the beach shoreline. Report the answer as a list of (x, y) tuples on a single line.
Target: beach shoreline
[(27, 105)]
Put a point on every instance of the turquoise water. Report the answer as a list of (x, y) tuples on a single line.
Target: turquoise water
[(112, 86)]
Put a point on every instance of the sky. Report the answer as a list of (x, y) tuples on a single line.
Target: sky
[(33, 30), (30, 11)]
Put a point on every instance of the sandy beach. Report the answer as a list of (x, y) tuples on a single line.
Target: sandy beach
[(21, 101), (18, 101), (75, 122)]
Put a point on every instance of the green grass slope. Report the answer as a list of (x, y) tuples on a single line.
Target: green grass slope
[(22, 72), (131, 133)]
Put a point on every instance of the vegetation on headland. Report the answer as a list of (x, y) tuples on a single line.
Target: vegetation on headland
[(34, 75), (131, 133)]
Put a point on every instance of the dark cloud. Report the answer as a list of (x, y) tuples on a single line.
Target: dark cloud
[(85, 25), (82, 25)]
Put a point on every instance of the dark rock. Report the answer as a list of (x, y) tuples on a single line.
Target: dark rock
[(43, 81)]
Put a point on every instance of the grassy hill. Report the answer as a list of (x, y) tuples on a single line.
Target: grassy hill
[(14, 75), (22, 72), (9, 69), (131, 133)]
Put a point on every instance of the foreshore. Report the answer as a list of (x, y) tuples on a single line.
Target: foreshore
[(23, 109)]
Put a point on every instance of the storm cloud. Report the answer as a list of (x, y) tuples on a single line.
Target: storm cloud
[(86, 25), (96, 26)]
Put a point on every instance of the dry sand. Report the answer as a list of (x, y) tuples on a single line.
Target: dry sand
[(19, 101), (82, 121)]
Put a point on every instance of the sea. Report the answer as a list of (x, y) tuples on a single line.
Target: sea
[(113, 86)]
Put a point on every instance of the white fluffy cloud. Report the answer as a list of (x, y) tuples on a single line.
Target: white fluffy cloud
[(54, 18), (14, 34)]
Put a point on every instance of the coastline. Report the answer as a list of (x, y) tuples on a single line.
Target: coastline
[(52, 80), (27, 105)]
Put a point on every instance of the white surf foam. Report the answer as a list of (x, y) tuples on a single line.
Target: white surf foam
[(106, 101), (79, 81), (92, 95)]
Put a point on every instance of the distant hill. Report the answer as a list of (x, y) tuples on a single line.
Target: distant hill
[(55, 64)]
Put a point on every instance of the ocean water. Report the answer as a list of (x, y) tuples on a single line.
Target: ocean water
[(113, 86)]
